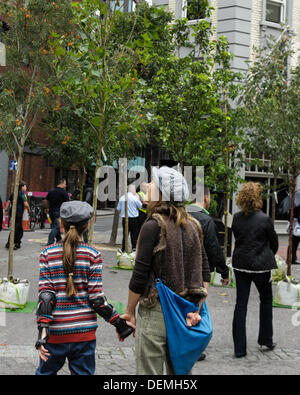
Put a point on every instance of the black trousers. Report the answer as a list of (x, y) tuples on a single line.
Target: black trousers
[(296, 241), (264, 287), (18, 230), (133, 231)]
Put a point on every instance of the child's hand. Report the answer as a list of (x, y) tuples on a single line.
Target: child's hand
[(193, 319), (131, 321), (43, 353)]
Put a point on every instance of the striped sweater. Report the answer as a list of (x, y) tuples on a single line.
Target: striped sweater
[(72, 319)]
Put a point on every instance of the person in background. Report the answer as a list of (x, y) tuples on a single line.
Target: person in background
[(161, 253), (69, 302), (296, 238), (21, 205), (215, 255), (133, 206), (256, 244), (55, 198)]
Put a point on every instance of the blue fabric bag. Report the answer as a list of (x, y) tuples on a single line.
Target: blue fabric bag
[(185, 344)]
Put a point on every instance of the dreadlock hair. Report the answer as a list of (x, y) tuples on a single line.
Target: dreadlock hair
[(73, 234)]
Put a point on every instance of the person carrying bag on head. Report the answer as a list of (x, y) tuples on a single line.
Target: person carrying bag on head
[(70, 297), (171, 267)]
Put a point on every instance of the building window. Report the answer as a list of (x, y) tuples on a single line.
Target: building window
[(123, 5), (194, 10), (275, 11)]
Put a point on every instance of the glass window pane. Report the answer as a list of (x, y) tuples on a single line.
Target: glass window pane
[(196, 9), (273, 12)]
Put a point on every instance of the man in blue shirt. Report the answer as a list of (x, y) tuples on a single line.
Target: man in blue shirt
[(133, 206)]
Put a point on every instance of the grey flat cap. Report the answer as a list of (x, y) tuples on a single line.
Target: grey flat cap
[(76, 211), (171, 183)]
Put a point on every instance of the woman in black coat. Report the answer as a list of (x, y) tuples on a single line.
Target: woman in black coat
[(256, 244)]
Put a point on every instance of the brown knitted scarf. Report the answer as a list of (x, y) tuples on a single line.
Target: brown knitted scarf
[(183, 263)]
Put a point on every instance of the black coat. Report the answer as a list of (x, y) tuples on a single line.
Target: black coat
[(212, 247), (256, 242)]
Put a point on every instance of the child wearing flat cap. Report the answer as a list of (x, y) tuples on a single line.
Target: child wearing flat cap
[(70, 297)]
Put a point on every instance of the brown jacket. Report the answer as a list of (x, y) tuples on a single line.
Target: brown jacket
[(185, 268)]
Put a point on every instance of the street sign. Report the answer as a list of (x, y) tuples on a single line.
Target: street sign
[(13, 165)]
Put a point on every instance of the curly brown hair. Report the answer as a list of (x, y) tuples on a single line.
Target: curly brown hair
[(249, 198)]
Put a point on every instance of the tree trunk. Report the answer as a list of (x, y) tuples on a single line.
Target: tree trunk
[(13, 215), (273, 200), (114, 231), (126, 224), (290, 247), (82, 182), (95, 199), (225, 224)]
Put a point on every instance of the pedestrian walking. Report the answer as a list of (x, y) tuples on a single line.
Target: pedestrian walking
[(70, 297), (296, 235), (215, 255), (199, 210), (162, 253), (133, 206), (54, 199), (256, 244), (21, 205)]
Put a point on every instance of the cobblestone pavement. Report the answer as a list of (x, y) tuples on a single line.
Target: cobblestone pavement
[(23, 360), (19, 357)]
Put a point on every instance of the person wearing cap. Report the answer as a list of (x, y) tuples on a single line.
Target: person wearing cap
[(70, 297), (170, 246)]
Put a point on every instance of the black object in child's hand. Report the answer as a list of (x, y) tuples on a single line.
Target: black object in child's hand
[(123, 329)]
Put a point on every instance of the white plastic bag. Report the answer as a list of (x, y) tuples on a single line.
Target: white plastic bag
[(287, 293), (216, 277), (13, 295), (279, 274), (125, 260)]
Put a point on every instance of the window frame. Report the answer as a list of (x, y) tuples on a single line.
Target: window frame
[(184, 13), (283, 7)]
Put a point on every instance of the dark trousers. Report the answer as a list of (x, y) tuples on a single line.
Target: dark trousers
[(133, 231), (18, 230), (296, 241), (264, 287), (81, 358), (55, 230)]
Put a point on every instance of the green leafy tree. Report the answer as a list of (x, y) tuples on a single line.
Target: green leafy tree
[(24, 83), (272, 112), (188, 101), (96, 76), (71, 141)]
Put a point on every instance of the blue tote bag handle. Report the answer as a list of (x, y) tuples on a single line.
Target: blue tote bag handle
[(185, 344)]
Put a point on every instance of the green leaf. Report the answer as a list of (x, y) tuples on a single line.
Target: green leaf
[(96, 121)]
